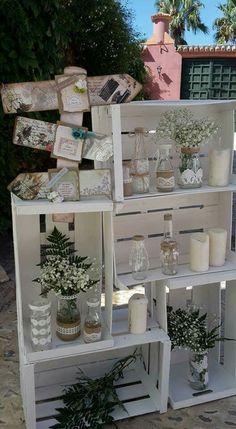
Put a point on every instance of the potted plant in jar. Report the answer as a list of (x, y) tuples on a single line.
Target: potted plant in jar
[(66, 275), (189, 134), (188, 329)]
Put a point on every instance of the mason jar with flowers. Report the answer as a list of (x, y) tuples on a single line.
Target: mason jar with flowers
[(189, 134), (188, 329), (66, 275)]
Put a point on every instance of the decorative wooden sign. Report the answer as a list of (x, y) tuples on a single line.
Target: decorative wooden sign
[(29, 96), (72, 93), (113, 89), (38, 96), (33, 133), (95, 182), (29, 186), (68, 185)]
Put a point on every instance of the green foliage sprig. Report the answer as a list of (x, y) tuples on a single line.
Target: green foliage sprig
[(188, 329), (90, 402)]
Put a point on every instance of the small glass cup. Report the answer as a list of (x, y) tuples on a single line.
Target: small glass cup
[(40, 324)]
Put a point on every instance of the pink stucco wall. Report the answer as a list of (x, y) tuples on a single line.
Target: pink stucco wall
[(166, 85)]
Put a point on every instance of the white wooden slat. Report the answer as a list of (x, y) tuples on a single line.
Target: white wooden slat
[(85, 205), (153, 223), (29, 396), (164, 372), (205, 196), (135, 408), (46, 424), (116, 128), (230, 328), (108, 260)]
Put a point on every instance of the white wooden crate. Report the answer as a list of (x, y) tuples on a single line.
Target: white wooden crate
[(31, 225), (222, 359), (191, 213), (120, 120), (140, 392)]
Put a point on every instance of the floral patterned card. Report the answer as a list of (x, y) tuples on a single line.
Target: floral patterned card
[(33, 133), (95, 182), (29, 96), (29, 186), (69, 143), (68, 185), (72, 92), (97, 147)]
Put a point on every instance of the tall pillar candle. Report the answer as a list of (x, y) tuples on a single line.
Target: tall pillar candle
[(138, 313), (199, 252), (219, 167), (218, 241)]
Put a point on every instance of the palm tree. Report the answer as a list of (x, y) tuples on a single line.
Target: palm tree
[(185, 16), (225, 26)]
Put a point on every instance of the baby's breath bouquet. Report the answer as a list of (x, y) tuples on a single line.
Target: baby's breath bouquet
[(63, 272), (188, 329), (66, 274), (180, 126)]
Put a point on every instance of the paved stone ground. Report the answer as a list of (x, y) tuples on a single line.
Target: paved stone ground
[(214, 415)]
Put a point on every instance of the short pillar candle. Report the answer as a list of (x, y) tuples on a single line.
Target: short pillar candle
[(138, 313), (219, 166), (218, 241), (199, 252)]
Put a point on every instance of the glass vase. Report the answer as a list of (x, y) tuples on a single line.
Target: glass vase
[(138, 259), (40, 324), (190, 170), (68, 318), (198, 370)]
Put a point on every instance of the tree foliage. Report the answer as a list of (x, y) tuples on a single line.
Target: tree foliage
[(225, 26), (38, 39), (185, 16)]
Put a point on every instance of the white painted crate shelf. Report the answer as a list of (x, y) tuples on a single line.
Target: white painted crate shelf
[(185, 277), (221, 383), (205, 189), (85, 205)]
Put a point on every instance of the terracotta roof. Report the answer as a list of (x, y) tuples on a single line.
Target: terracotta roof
[(206, 48), (166, 16)]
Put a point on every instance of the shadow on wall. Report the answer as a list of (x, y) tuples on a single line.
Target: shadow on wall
[(154, 88), (166, 79)]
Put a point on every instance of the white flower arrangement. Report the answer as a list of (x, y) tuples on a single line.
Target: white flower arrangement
[(54, 197), (188, 329), (180, 126), (64, 273)]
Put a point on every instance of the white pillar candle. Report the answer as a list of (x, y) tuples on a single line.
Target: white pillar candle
[(199, 252), (218, 241), (138, 313), (219, 166)]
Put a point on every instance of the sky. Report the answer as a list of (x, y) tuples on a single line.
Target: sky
[(143, 9)]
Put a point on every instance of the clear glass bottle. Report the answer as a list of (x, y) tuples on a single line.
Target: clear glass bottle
[(198, 370), (169, 248), (92, 322), (40, 324), (140, 164), (68, 318), (165, 172), (138, 259)]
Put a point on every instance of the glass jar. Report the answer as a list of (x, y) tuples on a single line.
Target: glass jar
[(127, 179), (198, 370), (140, 164), (190, 170), (40, 324), (92, 322), (138, 259), (165, 172), (169, 248), (68, 318)]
